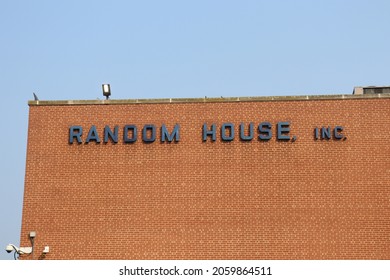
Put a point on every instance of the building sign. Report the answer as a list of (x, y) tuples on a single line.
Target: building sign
[(226, 132)]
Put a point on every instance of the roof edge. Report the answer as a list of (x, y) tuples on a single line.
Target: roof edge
[(205, 100)]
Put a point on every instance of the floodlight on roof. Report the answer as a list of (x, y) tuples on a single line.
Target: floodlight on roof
[(106, 90)]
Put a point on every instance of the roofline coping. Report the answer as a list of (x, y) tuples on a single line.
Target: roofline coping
[(206, 99)]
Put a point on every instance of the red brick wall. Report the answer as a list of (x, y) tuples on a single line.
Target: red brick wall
[(308, 199)]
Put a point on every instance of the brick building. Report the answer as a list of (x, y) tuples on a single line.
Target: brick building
[(304, 177)]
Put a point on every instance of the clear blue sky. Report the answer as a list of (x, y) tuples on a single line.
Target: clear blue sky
[(65, 50)]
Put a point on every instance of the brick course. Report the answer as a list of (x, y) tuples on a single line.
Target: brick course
[(308, 199)]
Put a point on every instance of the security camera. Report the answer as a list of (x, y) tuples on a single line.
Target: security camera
[(20, 251), (9, 248)]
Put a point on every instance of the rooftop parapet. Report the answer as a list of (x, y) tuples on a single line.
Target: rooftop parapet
[(356, 95)]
